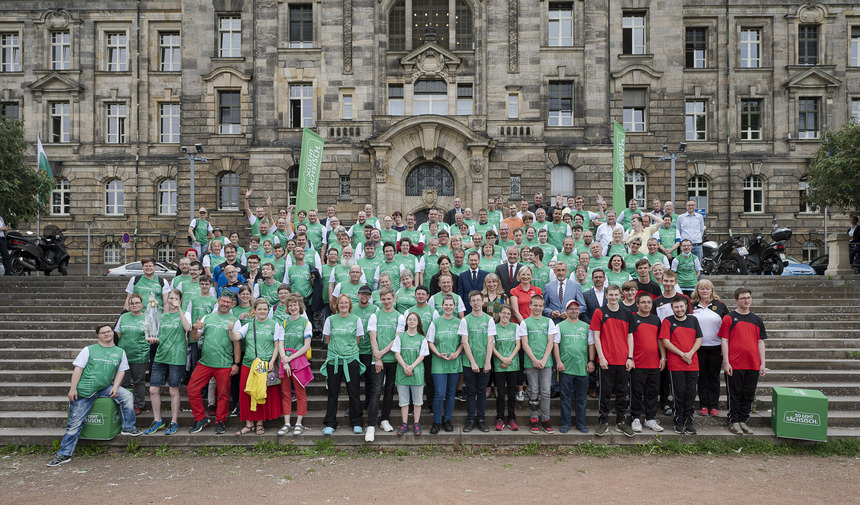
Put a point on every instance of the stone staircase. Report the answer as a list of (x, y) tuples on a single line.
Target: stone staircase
[(812, 324)]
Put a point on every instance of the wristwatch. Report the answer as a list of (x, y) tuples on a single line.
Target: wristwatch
[(237, 364)]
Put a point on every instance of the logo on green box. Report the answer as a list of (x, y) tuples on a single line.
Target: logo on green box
[(802, 418), (95, 419)]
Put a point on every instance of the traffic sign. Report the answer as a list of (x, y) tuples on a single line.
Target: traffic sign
[(126, 238)]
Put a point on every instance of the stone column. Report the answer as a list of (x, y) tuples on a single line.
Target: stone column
[(837, 249)]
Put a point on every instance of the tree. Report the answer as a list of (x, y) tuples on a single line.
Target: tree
[(834, 173), (24, 190)]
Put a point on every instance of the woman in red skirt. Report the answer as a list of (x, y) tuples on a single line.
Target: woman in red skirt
[(262, 338)]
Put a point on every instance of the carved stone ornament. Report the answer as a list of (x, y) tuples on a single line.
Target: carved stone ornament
[(57, 18), (563, 155), (380, 166), (430, 62), (429, 197), (347, 36), (513, 36), (811, 13), (477, 166)]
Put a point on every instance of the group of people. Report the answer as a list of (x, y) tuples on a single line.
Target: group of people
[(528, 301)]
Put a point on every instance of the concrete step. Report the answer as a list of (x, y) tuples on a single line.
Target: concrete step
[(817, 343), (788, 364)]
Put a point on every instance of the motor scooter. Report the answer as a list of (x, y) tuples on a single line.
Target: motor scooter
[(30, 253), (768, 258), (725, 258)]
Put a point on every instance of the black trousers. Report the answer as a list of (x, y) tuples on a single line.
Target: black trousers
[(644, 390), (665, 388), (615, 379), (353, 389), (506, 395), (710, 363), (429, 386), (741, 386), (684, 392), (382, 381), (368, 377), (7, 259)]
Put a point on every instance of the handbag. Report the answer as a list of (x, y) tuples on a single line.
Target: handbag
[(272, 378)]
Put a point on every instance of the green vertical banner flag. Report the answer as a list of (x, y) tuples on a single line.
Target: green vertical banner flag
[(309, 170), (619, 136), (43, 159)]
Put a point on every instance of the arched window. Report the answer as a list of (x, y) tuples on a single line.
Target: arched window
[(165, 253), (429, 176), (112, 254), (697, 190), (167, 197), (114, 198), (228, 191), (803, 190), (444, 20), (634, 183), (562, 180), (810, 251), (754, 194), (292, 184), (61, 198)]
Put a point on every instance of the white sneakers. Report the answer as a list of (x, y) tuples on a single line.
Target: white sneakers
[(636, 425), (652, 424), (386, 426), (369, 434)]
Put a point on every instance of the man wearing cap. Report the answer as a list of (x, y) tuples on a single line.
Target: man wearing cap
[(199, 231), (574, 355)]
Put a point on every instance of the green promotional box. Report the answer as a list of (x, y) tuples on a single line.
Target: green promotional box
[(799, 413), (103, 422)]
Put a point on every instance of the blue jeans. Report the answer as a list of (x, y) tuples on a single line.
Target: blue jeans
[(573, 389), (697, 252), (445, 386), (79, 409), (476, 393)]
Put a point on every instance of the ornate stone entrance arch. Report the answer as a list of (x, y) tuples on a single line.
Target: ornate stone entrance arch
[(420, 139)]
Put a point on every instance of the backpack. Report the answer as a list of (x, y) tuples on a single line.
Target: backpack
[(161, 282)]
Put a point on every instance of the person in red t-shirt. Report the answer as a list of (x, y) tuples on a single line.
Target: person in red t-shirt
[(649, 357), (743, 336), (613, 341), (682, 337), (663, 308)]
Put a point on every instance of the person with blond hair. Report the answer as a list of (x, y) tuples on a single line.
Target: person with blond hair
[(710, 311)]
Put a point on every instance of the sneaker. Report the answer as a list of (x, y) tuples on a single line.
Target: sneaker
[(500, 425), (221, 427), (703, 412), (679, 429), (416, 428), (736, 429), (546, 427), (328, 431), (625, 429), (460, 396), (357, 430), (513, 426), (602, 430), (199, 425), (298, 430), (59, 460), (690, 430), (563, 429), (583, 429), (667, 410), (370, 434), (447, 426), (520, 396), (636, 425), (746, 429), (653, 425), (482, 426), (469, 426), (155, 426), (171, 429), (235, 412), (403, 429), (714, 413), (386, 426), (534, 427), (133, 433), (284, 430), (434, 428)]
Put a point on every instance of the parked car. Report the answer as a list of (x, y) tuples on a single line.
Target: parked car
[(797, 267), (167, 270), (820, 263)]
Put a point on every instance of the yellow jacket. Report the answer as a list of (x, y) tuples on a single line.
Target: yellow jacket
[(256, 385)]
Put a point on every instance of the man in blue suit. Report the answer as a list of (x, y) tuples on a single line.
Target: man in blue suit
[(471, 279), (560, 291)]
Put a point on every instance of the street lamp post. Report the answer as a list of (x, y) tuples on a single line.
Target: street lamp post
[(671, 157), (192, 157)]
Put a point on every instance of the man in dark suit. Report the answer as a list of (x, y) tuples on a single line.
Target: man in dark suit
[(458, 209), (560, 291), (504, 270), (539, 204), (596, 296), (471, 279)]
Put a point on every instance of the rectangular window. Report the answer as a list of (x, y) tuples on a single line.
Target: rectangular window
[(229, 113), (431, 97), (169, 51), (513, 106), (117, 52), (696, 48), (167, 197), (560, 24), (61, 50), (301, 25), (855, 110), (347, 106), (397, 27), (750, 47), (560, 104), (61, 198), (807, 120), (61, 122), (395, 100), (807, 45), (230, 36), (634, 105), (463, 26), (855, 46), (344, 186), (516, 187), (696, 120), (116, 123), (10, 110), (750, 119), (168, 123), (10, 52), (633, 33), (301, 106), (464, 99)]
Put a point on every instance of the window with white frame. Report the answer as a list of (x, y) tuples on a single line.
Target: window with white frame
[(696, 47), (112, 254), (431, 97), (697, 190), (301, 25), (169, 51), (750, 45), (634, 186), (696, 120), (634, 102), (10, 52), (560, 24), (167, 197), (396, 105), (854, 59), (751, 119), (513, 105), (116, 123), (301, 106), (61, 50), (165, 253), (117, 51), (810, 251), (633, 32), (464, 99), (346, 105), (230, 36), (808, 126), (855, 110), (803, 191), (114, 198), (228, 191), (168, 123), (61, 122), (292, 184), (560, 104), (754, 194), (229, 113), (61, 198)]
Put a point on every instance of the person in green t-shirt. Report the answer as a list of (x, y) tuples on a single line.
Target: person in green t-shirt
[(263, 339), (406, 294), (98, 373), (199, 230), (268, 287), (369, 262), (147, 285), (477, 331), (390, 265), (297, 342), (687, 267), (342, 332), (364, 309), (410, 349), (670, 238), (131, 338), (383, 327), (169, 363), (574, 356), (446, 346), (536, 333), (506, 365), (198, 305)]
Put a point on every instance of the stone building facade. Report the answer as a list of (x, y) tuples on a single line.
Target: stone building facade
[(419, 101)]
